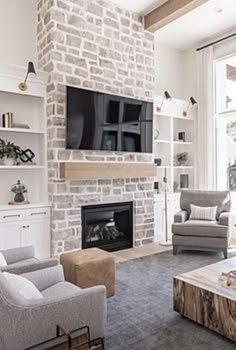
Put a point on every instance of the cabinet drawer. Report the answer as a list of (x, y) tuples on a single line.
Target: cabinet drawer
[(38, 213), (12, 215)]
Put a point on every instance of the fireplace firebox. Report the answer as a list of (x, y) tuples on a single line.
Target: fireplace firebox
[(108, 226)]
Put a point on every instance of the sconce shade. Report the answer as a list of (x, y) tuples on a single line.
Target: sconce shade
[(31, 70), (167, 95), (193, 101)]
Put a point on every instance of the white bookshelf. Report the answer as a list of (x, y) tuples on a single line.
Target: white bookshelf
[(169, 122), (29, 108)]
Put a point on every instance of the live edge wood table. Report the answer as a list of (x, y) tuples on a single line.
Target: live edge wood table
[(199, 296)]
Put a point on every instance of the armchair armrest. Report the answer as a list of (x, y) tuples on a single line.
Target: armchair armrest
[(224, 219), (87, 307), (181, 216), (46, 278), (31, 266)]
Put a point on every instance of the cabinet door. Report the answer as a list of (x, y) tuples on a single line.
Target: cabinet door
[(10, 236), (37, 233)]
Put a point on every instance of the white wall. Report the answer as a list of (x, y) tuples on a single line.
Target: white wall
[(18, 31), (169, 70), (175, 71)]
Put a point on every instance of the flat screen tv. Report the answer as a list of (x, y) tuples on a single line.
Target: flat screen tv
[(97, 121)]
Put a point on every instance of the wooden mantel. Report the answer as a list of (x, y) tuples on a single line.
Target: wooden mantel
[(100, 170)]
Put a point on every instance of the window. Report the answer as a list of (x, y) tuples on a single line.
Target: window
[(226, 125)]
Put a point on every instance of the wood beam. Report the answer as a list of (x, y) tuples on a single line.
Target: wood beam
[(106, 170), (169, 12)]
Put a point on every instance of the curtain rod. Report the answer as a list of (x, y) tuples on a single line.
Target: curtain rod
[(216, 42)]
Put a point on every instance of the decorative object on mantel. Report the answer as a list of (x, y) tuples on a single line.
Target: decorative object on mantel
[(192, 102), (8, 120), (31, 70), (19, 193), (166, 188), (156, 186), (157, 161), (21, 126), (156, 134), (184, 181), (228, 279), (181, 158), (181, 136), (167, 97)]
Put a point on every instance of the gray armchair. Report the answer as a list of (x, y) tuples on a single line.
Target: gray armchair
[(202, 234), (27, 322), (22, 260)]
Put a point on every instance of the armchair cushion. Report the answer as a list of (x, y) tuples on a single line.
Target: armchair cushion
[(60, 289), (202, 213), (22, 286), (44, 279), (181, 216), (224, 219), (200, 228)]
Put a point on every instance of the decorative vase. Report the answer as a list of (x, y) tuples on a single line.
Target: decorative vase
[(19, 194), (9, 161)]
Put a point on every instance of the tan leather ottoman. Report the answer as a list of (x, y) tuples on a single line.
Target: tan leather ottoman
[(90, 267)]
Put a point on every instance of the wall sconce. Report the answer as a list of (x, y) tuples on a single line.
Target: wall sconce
[(167, 97), (31, 70), (192, 102)]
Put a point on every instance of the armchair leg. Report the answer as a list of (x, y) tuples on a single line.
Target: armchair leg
[(226, 255), (174, 250)]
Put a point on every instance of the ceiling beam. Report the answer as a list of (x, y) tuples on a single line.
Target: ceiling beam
[(169, 12)]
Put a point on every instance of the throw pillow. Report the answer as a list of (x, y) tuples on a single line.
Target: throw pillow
[(2, 260), (23, 286), (202, 213)]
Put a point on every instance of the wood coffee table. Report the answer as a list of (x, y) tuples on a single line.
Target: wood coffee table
[(199, 296)]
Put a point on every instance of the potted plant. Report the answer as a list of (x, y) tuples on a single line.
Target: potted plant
[(9, 152), (182, 158)]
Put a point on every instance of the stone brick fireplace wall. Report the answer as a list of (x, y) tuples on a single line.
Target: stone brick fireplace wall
[(95, 45)]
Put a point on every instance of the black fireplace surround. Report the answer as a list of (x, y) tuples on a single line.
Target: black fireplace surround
[(108, 226)]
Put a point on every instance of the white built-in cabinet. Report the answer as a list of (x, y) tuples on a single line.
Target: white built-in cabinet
[(167, 124), (26, 224)]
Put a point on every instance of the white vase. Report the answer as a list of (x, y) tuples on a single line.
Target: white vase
[(9, 161)]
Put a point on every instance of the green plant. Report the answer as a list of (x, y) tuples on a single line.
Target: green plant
[(9, 150), (182, 157)]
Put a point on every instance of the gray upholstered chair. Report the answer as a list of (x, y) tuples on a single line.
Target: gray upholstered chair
[(22, 260), (202, 234), (27, 322)]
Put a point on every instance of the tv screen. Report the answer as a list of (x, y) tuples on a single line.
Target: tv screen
[(97, 121)]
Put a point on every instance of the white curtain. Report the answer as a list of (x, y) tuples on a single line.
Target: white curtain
[(205, 126)]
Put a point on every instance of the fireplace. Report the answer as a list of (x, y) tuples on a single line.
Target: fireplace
[(108, 226)]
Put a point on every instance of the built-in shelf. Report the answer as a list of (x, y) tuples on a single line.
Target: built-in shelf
[(182, 143), (173, 116), (161, 141), (183, 167), (28, 167), (21, 130), (104, 170)]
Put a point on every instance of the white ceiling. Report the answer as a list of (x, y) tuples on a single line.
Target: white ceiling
[(200, 25), (140, 6)]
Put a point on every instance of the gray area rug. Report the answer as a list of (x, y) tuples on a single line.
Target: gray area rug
[(141, 316)]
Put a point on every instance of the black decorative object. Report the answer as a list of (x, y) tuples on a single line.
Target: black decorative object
[(184, 181), (19, 192), (158, 161), (27, 156), (156, 186), (181, 136)]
